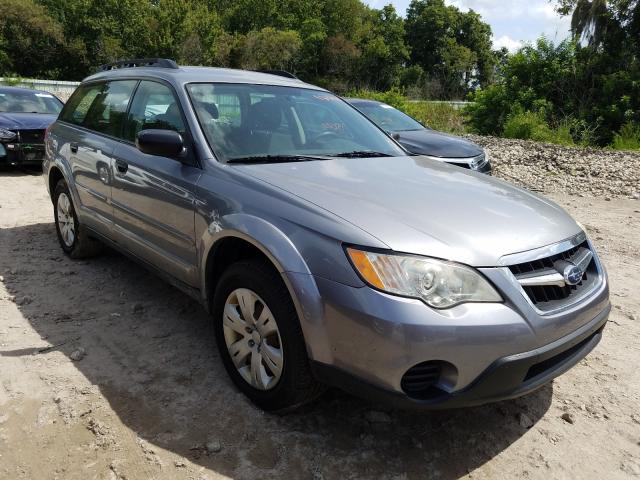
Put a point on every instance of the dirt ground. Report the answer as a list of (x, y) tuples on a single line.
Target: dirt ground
[(150, 399)]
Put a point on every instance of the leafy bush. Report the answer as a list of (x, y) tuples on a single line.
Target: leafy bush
[(584, 95), (489, 110), (526, 126), (628, 138), (532, 126)]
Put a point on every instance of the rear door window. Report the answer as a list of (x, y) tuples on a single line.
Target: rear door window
[(109, 108)]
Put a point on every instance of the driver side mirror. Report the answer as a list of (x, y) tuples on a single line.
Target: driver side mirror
[(162, 143)]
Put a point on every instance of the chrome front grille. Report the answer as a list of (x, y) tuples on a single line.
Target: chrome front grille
[(545, 284)]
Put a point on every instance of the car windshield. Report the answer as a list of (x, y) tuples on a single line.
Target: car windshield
[(244, 122), (17, 101), (388, 118)]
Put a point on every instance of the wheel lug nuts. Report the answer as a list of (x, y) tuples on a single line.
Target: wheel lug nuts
[(251, 343), (248, 329)]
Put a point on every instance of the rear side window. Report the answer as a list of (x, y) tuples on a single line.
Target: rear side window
[(154, 107), (78, 105), (100, 106), (109, 109)]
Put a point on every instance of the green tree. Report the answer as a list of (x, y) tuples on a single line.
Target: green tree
[(451, 46), (339, 61), (608, 57), (589, 20), (538, 78), (313, 33), (244, 16), (184, 31), (30, 41), (101, 31), (270, 49), (384, 52)]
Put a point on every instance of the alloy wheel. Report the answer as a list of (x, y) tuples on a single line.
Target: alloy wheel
[(66, 222)]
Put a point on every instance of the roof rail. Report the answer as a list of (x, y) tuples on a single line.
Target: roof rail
[(279, 73), (140, 62)]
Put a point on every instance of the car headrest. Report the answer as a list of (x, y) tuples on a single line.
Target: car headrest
[(265, 115), (211, 109), (173, 112)]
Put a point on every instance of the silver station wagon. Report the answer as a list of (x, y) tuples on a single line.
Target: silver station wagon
[(326, 253)]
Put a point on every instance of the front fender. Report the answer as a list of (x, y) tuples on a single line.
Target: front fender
[(286, 258)]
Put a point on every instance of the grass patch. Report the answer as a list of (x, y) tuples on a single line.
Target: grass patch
[(628, 138), (439, 116)]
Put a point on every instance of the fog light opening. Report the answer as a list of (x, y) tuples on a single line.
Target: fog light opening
[(429, 380)]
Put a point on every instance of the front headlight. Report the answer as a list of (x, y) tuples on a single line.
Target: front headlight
[(6, 134), (479, 161), (438, 283)]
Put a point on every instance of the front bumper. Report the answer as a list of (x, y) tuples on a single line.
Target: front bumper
[(508, 377), (366, 341), (15, 153)]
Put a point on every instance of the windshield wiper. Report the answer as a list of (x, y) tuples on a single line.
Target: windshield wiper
[(361, 154), (276, 159)]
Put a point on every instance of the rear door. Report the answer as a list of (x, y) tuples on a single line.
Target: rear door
[(153, 196), (91, 124)]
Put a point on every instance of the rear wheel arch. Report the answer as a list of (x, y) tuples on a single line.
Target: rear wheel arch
[(55, 175)]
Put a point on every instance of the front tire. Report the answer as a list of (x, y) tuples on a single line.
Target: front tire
[(72, 236), (260, 339)]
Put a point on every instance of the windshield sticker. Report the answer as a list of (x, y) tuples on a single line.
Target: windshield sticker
[(335, 126)]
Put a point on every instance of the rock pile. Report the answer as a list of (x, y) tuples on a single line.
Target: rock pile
[(550, 168)]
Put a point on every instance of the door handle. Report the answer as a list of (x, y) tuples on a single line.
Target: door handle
[(122, 166), (74, 147)]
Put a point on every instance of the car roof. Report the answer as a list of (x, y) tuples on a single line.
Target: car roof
[(363, 101), (4, 89), (183, 75)]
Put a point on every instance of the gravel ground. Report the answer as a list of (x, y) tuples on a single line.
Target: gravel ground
[(573, 171), (106, 372)]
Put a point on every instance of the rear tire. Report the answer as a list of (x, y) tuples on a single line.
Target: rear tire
[(72, 236), (285, 383)]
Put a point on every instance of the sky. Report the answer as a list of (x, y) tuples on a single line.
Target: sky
[(513, 22)]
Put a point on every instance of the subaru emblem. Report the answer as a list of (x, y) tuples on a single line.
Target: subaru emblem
[(572, 275)]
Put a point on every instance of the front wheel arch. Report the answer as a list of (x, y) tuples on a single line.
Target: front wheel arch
[(302, 288)]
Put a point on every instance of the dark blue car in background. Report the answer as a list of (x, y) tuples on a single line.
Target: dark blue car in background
[(421, 140), (24, 116)]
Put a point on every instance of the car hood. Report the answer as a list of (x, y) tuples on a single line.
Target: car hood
[(430, 142), (422, 206), (26, 121)]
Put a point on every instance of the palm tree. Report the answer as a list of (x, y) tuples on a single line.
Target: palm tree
[(590, 20)]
